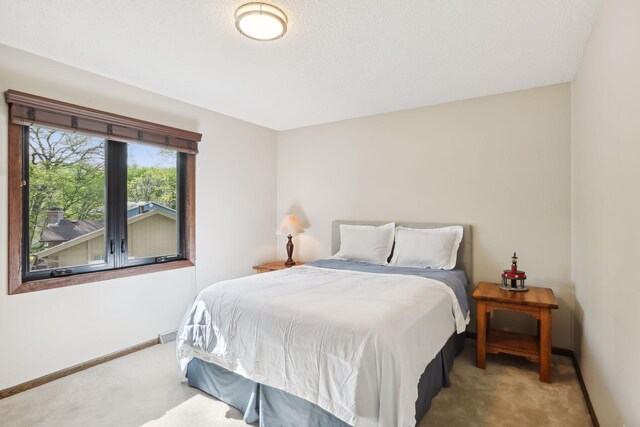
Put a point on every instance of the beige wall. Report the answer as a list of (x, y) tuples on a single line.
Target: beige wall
[(500, 163), (86, 252), (39, 331), (606, 210), (95, 249), (75, 255), (154, 235)]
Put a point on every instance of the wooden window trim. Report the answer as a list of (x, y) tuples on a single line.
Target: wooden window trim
[(15, 183), (27, 109)]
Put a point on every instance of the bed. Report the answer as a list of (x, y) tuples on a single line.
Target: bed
[(330, 343)]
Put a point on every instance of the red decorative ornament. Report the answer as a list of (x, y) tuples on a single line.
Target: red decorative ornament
[(513, 279)]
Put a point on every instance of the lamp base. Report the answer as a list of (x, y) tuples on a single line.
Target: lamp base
[(289, 262)]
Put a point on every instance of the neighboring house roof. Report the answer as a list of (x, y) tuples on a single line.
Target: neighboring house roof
[(66, 229), (136, 208), (100, 231)]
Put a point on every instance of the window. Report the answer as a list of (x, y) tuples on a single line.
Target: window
[(153, 201), (67, 178), (95, 196), (64, 199)]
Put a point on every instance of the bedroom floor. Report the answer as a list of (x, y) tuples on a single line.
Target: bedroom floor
[(144, 388)]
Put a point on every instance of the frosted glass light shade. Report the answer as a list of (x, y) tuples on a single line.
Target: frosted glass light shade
[(261, 21), (289, 225)]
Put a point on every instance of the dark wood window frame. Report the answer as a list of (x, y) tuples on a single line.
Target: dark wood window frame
[(25, 110)]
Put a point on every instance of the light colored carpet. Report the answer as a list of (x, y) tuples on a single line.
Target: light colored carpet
[(144, 389), (508, 393)]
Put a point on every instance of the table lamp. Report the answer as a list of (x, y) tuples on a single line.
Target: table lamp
[(289, 227)]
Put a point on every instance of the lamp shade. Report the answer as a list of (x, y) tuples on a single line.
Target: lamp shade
[(289, 225)]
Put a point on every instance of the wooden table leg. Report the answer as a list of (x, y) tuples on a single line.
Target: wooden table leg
[(481, 335), (545, 345)]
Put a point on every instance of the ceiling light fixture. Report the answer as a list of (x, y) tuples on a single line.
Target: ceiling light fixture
[(261, 21)]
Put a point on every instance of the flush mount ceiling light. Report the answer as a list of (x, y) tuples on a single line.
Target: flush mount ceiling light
[(261, 21)]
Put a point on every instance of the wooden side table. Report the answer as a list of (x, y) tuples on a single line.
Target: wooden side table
[(273, 266), (537, 302)]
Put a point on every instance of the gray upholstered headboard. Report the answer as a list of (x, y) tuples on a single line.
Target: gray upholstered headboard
[(464, 261)]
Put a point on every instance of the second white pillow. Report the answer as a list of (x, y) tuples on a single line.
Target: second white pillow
[(435, 248)]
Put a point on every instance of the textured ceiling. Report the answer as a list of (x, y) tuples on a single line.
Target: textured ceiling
[(339, 59)]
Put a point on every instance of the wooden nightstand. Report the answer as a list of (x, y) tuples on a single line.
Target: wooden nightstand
[(537, 302), (272, 266)]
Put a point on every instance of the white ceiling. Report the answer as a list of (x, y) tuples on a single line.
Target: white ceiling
[(339, 59)]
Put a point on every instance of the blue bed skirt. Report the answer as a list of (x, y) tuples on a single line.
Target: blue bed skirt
[(273, 407)]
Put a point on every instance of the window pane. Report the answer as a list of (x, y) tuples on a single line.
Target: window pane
[(66, 199), (152, 202)]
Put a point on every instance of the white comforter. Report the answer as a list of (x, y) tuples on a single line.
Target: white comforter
[(353, 343)]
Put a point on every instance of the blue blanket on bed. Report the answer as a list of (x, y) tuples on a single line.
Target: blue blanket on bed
[(455, 279)]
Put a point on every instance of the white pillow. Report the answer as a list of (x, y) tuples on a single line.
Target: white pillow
[(366, 243), (427, 248)]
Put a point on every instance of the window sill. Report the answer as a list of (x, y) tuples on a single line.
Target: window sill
[(79, 279)]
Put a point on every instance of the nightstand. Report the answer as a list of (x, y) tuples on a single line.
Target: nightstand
[(537, 302), (273, 266)]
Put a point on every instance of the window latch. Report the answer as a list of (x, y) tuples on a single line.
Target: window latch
[(123, 246), (112, 247), (166, 258), (61, 272)]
